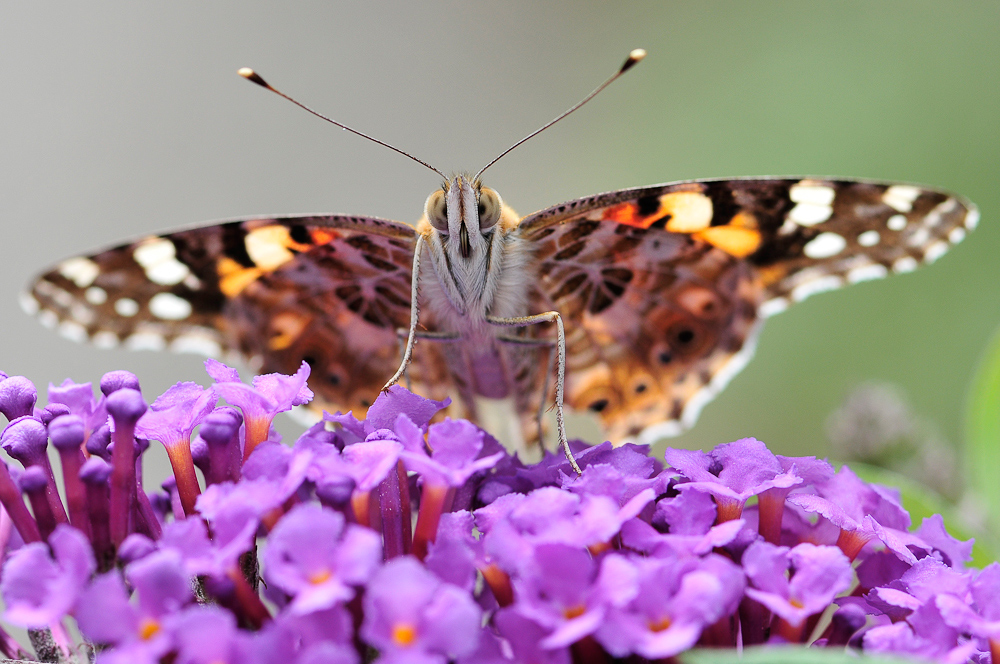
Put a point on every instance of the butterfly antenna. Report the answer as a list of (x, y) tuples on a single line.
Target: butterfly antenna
[(254, 77), (633, 59)]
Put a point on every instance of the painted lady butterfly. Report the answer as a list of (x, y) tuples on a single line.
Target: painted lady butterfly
[(661, 289)]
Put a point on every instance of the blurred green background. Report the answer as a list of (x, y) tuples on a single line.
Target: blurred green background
[(120, 119)]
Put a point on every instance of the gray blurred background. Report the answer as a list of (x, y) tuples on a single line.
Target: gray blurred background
[(120, 119)]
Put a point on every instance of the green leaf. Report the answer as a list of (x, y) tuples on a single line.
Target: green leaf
[(785, 655), (982, 432)]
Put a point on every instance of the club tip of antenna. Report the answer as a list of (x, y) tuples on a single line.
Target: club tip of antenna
[(251, 75), (634, 57)]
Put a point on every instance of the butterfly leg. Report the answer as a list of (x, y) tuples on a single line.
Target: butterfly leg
[(411, 337), (543, 343), (549, 317)]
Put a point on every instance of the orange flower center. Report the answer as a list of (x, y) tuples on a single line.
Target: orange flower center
[(148, 628), (319, 576), (404, 634), (659, 624)]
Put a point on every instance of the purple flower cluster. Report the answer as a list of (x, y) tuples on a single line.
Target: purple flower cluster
[(405, 538)]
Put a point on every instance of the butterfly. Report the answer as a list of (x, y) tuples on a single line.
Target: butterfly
[(646, 301)]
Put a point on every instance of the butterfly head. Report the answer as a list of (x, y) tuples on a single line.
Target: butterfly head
[(465, 215)]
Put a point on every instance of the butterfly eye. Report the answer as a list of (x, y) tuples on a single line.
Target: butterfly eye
[(489, 208), (436, 209)]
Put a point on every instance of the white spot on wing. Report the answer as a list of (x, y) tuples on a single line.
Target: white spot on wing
[(866, 273), (972, 219), (168, 272), (48, 318), (105, 340), (126, 307), (81, 271), (61, 297), (146, 341), (29, 304), (199, 343), (788, 227), (904, 264), (73, 331), (812, 193), (956, 235), (896, 222), (936, 251), (869, 238), (919, 237), (96, 295), (665, 429), (807, 214), (820, 285), (153, 251), (772, 307), (825, 245), (158, 257), (169, 306), (900, 197), (82, 313)]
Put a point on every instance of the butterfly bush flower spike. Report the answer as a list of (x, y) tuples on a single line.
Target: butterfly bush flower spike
[(304, 553)]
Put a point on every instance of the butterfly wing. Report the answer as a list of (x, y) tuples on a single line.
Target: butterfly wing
[(330, 290), (663, 288)]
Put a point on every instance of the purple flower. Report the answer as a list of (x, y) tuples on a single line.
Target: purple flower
[(68, 433), (125, 406), (17, 397), (861, 511), (525, 637), (561, 591), (221, 431), (455, 446), (79, 398), (170, 419), (207, 635), (660, 606), (411, 615), (313, 556), (396, 401), (269, 395), (454, 458), (513, 523), (818, 574), (26, 439), (40, 590), (118, 379), (106, 616), (732, 473)]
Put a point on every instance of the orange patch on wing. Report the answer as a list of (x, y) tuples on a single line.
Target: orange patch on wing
[(738, 242), (738, 238), (233, 277), (286, 327), (628, 214), (322, 235)]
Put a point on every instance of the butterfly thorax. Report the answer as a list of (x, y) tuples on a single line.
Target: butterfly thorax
[(479, 267)]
